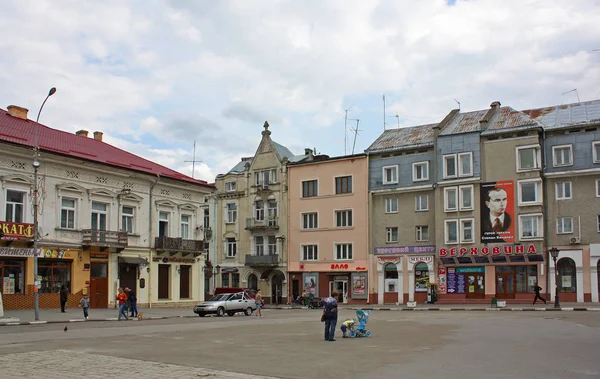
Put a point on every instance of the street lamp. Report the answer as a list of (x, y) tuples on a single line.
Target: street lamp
[(36, 165), (554, 253), (215, 273)]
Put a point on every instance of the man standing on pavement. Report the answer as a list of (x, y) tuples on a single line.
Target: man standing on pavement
[(330, 314), (64, 297), (132, 301)]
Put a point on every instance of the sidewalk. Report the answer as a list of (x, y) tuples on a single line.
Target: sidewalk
[(27, 317)]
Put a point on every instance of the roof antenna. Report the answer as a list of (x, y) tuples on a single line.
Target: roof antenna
[(457, 102), (576, 93), (383, 112), (355, 130), (397, 117), (193, 161)]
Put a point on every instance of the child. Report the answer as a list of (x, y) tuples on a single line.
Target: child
[(85, 304), (347, 325)]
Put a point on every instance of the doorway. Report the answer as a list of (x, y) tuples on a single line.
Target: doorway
[(341, 287), (128, 276), (505, 282), (99, 285), (295, 289), (277, 287), (164, 277), (475, 285), (184, 282)]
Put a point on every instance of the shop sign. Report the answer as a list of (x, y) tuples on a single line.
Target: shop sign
[(15, 230), (18, 252), (415, 260), (464, 270), (339, 266), (384, 260), (404, 250), (359, 285), (178, 260), (442, 280), (56, 254), (98, 256), (496, 250)]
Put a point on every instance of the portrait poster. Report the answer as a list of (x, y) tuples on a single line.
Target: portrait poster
[(497, 212), (359, 285), (311, 283)]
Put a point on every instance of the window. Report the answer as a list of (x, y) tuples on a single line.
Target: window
[(231, 213), (343, 219), (465, 164), (562, 155), (598, 219), (597, 187), (272, 245), (309, 221), (259, 242), (230, 187), (163, 224), (310, 253), (567, 275), (310, 188), (225, 280), (127, 219), (466, 230), (15, 206), (450, 199), (391, 234), (466, 198), (530, 192), (99, 213), (185, 227), (422, 233), (343, 184), (596, 151), (12, 276), (273, 174), (206, 219), (54, 274), (343, 251), (528, 158), (231, 247), (391, 205), (563, 191), (451, 231), (266, 177), (420, 171), (235, 280), (390, 174), (449, 166), (67, 213), (564, 225), (259, 210), (530, 226), (422, 203), (272, 212)]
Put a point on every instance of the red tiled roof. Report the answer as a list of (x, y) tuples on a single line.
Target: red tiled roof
[(22, 132)]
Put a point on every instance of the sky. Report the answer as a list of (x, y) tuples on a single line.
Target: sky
[(155, 76)]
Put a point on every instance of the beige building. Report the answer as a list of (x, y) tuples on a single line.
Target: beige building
[(252, 221)]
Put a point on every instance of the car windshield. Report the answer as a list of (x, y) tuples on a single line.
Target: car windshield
[(220, 297)]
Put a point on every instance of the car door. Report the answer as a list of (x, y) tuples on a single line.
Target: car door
[(236, 302)]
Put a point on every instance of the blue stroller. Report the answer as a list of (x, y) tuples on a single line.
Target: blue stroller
[(361, 329)]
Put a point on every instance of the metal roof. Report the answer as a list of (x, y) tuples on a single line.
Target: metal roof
[(566, 115), (413, 136), (464, 123), (21, 132)]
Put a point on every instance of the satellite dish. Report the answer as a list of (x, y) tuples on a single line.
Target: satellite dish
[(41, 232)]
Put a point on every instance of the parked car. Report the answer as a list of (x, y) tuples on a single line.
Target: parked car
[(227, 303)]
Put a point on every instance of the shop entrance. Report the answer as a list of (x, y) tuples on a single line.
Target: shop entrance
[(184, 282), (128, 276), (163, 281), (341, 287), (473, 280), (99, 285), (506, 282)]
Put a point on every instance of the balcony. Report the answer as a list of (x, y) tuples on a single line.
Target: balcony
[(104, 238), (262, 260), (174, 245), (271, 223)]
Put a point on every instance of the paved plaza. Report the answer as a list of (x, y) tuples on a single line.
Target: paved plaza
[(289, 344)]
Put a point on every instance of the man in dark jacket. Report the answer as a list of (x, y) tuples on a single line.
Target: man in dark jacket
[(132, 302), (537, 290), (64, 296), (330, 314)]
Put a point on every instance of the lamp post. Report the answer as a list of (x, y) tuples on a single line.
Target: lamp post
[(36, 165), (215, 273), (554, 253)]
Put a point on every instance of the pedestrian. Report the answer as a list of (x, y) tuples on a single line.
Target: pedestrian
[(64, 296), (122, 298), (132, 302), (330, 314), (347, 325), (258, 300), (85, 304), (537, 290)]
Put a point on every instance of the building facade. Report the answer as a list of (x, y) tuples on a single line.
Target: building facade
[(107, 219), (328, 228), (252, 221)]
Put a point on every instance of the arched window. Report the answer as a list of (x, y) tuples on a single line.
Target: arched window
[(421, 277), (567, 275), (391, 272), (252, 282)]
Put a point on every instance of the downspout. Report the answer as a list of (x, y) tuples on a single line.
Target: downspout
[(545, 200), (150, 240)]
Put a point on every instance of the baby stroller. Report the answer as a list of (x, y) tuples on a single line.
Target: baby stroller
[(361, 329), (315, 303)]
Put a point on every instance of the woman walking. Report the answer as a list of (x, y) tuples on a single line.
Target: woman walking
[(122, 298)]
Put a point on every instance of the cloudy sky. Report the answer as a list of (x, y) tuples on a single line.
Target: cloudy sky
[(156, 75)]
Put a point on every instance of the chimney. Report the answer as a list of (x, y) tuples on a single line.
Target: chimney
[(98, 136), (83, 133), (308, 151), (18, 112), (483, 123)]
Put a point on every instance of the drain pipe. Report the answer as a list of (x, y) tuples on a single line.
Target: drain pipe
[(546, 200), (150, 240)]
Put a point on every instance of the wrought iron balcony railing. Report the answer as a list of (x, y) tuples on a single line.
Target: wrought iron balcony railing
[(104, 238)]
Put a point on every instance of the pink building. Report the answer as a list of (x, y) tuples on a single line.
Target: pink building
[(328, 227)]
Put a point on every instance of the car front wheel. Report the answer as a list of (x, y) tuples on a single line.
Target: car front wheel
[(201, 314), (220, 312), (248, 311)]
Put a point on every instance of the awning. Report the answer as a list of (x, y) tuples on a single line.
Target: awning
[(133, 260)]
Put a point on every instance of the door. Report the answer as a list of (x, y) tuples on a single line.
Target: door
[(184, 282), (341, 287), (475, 285), (295, 289), (99, 285), (164, 276), (505, 285), (128, 276)]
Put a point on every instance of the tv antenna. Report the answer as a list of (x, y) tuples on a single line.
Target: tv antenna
[(194, 161), (457, 102), (576, 93), (355, 131), (397, 119)]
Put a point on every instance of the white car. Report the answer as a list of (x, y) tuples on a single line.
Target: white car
[(226, 303)]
